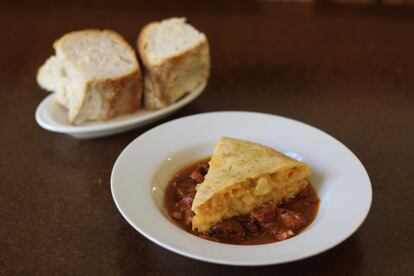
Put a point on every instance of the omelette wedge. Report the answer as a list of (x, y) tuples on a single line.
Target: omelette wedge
[(242, 176)]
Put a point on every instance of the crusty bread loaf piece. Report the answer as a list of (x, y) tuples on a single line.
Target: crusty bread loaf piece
[(176, 61), (95, 75)]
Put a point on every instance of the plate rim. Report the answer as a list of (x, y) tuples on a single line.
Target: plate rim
[(242, 262), (128, 120)]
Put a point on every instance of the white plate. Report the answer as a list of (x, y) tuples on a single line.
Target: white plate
[(53, 117), (144, 168)]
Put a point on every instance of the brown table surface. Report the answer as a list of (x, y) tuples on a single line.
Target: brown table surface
[(346, 70)]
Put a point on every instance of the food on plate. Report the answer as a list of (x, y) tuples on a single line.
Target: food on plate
[(176, 61), (242, 176), (95, 75), (246, 193)]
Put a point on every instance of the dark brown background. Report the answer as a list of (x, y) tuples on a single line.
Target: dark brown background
[(348, 70)]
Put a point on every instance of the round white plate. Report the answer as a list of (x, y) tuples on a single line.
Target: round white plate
[(144, 168), (53, 117)]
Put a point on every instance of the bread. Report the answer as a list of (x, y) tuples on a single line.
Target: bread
[(95, 75), (176, 61)]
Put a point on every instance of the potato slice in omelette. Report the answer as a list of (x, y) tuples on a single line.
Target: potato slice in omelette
[(242, 176)]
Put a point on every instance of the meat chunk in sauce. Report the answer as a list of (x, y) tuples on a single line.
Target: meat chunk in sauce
[(248, 223), (198, 174), (229, 229), (279, 231), (277, 222), (264, 215), (292, 219), (186, 189), (183, 210)]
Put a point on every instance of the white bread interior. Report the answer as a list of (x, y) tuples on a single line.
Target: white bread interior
[(176, 59), (95, 75)]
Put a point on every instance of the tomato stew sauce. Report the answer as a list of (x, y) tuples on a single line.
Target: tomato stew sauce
[(266, 224)]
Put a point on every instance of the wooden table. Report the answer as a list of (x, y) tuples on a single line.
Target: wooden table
[(346, 70)]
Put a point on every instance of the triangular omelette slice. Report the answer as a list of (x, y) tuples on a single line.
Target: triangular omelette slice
[(242, 176)]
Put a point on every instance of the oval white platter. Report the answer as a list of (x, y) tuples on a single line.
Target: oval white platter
[(146, 165), (53, 117)]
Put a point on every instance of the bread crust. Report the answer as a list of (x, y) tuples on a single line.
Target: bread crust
[(158, 77), (119, 94)]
